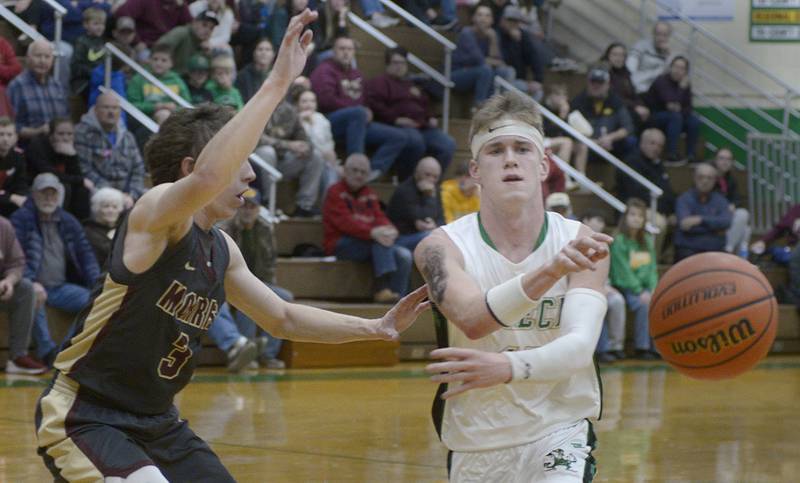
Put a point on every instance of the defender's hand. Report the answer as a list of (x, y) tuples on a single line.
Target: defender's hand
[(403, 314)]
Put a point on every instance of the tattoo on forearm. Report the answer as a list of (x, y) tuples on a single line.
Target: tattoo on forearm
[(434, 273)]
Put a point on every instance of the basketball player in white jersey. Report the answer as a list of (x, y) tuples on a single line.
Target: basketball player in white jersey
[(522, 292)]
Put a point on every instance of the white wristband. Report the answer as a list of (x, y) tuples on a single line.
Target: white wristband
[(508, 303)]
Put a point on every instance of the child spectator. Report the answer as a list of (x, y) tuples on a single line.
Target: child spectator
[(197, 79), (148, 97), (13, 184), (634, 272), (89, 51), (460, 195), (120, 73), (318, 130), (611, 345), (223, 69)]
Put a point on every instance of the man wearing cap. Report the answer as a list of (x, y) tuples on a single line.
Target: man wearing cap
[(199, 69), (256, 239), (519, 296), (519, 52), (611, 122), (60, 261), (560, 203), (188, 40)]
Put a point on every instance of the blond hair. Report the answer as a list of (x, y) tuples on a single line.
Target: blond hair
[(93, 13), (223, 61), (508, 105)]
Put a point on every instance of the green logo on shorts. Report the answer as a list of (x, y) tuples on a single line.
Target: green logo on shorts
[(556, 458)]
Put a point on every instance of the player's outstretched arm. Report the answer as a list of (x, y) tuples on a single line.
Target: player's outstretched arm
[(581, 322), (303, 323), (218, 164)]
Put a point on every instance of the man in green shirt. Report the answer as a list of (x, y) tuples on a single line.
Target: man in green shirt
[(187, 40)]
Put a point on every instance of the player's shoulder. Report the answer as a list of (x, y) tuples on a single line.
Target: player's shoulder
[(438, 243)]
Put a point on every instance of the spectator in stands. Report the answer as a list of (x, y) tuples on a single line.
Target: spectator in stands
[(649, 57), (340, 92), (55, 153), (285, 145), (357, 229), (37, 96), (738, 235), (148, 97), (108, 152), (703, 216), (376, 14), (154, 18), (559, 142), (460, 195), (415, 208), (439, 14), (221, 34), (556, 180), (477, 58), (124, 33), (188, 40), (332, 22), (13, 182), (670, 98), (295, 7), (318, 130), (519, 52), (252, 75), (197, 79), (107, 206), (647, 162), (612, 127), (89, 51), (560, 203), (259, 19), (788, 227), (395, 100), (120, 72), (256, 239), (73, 23), (9, 65), (18, 301), (611, 344), (616, 56), (634, 271), (223, 70), (59, 260)]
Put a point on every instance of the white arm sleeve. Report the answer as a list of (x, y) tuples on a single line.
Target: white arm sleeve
[(581, 323)]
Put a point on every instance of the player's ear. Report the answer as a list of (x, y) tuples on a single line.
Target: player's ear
[(187, 166), (474, 173), (544, 166)]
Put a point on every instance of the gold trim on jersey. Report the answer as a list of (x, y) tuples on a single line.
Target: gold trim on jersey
[(103, 307), (52, 434)]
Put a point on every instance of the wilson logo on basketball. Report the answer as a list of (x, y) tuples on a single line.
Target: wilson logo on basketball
[(696, 296), (736, 333)]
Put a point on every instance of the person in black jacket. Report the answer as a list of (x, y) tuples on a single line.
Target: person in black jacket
[(55, 153), (250, 78), (13, 183), (107, 206), (415, 207), (647, 162), (738, 235)]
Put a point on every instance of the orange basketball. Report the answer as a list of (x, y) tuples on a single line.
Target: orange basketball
[(713, 316)]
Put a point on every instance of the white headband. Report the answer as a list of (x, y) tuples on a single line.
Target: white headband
[(506, 127)]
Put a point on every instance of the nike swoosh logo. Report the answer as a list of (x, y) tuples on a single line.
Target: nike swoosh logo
[(94, 56), (189, 267), (493, 129)]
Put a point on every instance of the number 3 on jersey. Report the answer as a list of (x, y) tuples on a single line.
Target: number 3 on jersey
[(169, 367)]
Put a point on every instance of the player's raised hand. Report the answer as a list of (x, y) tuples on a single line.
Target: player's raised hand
[(469, 367), (580, 254), (404, 313), (294, 49)]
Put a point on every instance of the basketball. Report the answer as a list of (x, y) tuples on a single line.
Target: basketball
[(713, 316)]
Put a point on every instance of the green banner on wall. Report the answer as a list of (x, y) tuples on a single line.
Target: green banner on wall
[(775, 20)]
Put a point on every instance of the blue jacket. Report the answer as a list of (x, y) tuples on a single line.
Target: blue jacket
[(470, 52), (709, 235), (82, 267)]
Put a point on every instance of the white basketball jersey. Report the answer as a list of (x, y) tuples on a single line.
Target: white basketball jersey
[(521, 412)]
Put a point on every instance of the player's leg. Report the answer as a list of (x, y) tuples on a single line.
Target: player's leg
[(79, 441), (562, 457), (182, 456), (482, 466)]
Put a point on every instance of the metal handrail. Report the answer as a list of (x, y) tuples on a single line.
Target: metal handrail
[(111, 49), (20, 24), (57, 7), (442, 79), (447, 44), (584, 181)]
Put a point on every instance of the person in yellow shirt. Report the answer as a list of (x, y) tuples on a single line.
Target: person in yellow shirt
[(460, 195)]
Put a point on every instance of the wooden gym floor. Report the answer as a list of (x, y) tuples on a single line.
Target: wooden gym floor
[(373, 425)]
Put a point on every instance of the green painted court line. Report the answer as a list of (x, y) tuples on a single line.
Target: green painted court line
[(17, 381)]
